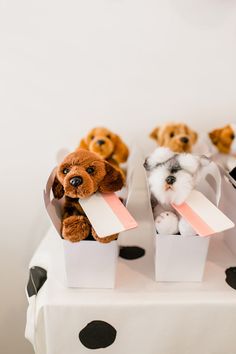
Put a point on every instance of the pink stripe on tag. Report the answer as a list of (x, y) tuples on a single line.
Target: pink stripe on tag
[(119, 210), (198, 224)]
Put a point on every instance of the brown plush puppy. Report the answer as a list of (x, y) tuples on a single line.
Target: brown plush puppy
[(106, 144), (177, 137), (81, 174), (223, 138)]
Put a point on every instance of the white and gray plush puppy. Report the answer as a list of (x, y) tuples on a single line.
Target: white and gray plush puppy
[(171, 178)]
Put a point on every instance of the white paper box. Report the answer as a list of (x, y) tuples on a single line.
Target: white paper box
[(228, 206), (180, 258), (90, 264), (183, 258)]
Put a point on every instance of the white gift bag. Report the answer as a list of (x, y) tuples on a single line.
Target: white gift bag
[(228, 206), (88, 263), (182, 258)]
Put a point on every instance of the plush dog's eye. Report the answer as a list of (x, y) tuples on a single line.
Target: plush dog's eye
[(172, 134), (66, 170), (108, 136), (90, 170), (92, 137), (232, 136)]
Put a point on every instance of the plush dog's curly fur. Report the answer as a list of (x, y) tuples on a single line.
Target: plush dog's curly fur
[(223, 138), (81, 174), (177, 137), (107, 145), (172, 177)]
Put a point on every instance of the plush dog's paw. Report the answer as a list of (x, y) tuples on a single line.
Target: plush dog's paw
[(167, 223), (185, 228), (75, 228), (106, 239)]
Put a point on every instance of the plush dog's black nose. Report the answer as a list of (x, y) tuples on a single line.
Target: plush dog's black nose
[(170, 180), (100, 142), (145, 165), (184, 140), (76, 181)]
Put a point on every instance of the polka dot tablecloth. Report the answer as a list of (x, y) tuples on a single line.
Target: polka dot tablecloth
[(138, 316)]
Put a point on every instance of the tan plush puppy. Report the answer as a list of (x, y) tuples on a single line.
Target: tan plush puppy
[(223, 139), (177, 137), (107, 145), (81, 174)]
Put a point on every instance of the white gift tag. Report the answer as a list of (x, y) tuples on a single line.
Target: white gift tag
[(205, 218), (107, 214)]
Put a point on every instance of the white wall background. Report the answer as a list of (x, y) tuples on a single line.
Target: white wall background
[(68, 65)]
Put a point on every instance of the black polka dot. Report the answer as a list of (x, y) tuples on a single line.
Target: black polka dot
[(231, 277), (97, 334), (131, 252), (37, 277)]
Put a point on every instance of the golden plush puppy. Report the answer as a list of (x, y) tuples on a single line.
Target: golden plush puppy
[(223, 138), (107, 145), (177, 137)]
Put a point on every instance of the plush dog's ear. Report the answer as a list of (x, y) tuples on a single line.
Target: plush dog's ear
[(215, 136), (154, 134), (57, 189), (159, 156), (195, 137), (83, 144), (113, 180), (121, 151)]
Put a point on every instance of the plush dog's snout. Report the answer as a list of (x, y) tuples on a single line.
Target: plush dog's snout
[(170, 180), (100, 142), (145, 165), (184, 139), (76, 181)]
